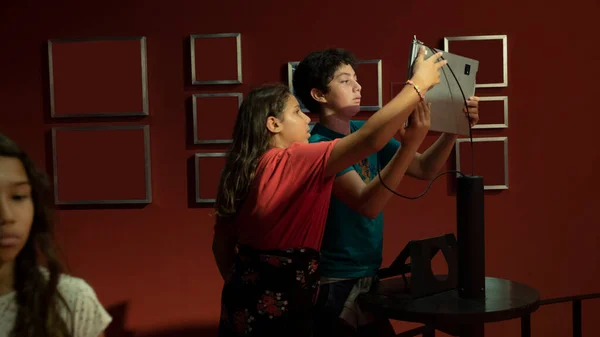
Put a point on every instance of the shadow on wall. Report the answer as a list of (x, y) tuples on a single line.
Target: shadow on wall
[(117, 327)]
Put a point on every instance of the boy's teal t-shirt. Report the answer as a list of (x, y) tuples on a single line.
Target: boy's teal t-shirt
[(352, 244)]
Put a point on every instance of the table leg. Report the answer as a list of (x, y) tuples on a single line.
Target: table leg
[(526, 326)]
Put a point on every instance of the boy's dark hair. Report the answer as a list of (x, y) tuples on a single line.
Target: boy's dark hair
[(316, 71)]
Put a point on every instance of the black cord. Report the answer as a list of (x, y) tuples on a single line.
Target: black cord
[(470, 137), (426, 189)]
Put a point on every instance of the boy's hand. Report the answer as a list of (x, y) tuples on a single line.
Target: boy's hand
[(473, 104), (420, 122)]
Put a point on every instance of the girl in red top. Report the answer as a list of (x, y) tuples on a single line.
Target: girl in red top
[(273, 198)]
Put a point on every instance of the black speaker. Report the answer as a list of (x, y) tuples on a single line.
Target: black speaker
[(470, 237)]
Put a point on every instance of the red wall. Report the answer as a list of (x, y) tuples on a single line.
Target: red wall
[(153, 266)]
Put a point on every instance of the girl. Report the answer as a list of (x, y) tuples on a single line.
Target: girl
[(273, 198), (36, 301)]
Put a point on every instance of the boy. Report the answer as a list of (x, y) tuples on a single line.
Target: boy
[(351, 251)]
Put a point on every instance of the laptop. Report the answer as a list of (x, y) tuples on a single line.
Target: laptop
[(447, 100)]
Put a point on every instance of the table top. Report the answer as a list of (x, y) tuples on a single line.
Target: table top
[(504, 300)]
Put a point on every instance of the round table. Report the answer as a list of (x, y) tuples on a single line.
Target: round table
[(447, 311)]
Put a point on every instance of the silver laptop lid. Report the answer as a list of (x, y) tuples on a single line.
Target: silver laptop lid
[(447, 100)]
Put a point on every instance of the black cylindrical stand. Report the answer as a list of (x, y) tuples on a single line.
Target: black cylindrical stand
[(470, 237)]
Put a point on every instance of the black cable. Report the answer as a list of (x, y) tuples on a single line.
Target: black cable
[(470, 137), (426, 189)]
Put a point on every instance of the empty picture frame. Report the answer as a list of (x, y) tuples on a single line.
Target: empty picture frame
[(214, 117), (290, 70), (369, 77), (98, 77), (208, 168), (492, 53), (216, 58), (496, 112), (491, 160), (99, 165)]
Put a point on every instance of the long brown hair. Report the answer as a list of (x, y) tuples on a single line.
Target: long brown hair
[(250, 141), (38, 299)]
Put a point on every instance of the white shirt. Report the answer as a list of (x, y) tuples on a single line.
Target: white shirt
[(89, 316)]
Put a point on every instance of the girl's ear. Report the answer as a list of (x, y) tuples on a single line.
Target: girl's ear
[(273, 124)]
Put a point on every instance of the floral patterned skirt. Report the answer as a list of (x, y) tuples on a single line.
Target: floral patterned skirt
[(271, 293)]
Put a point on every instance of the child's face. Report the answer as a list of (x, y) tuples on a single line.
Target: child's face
[(344, 92), (16, 208), (294, 123)]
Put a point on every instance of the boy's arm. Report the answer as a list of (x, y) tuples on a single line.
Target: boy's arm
[(370, 199), (428, 164)]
